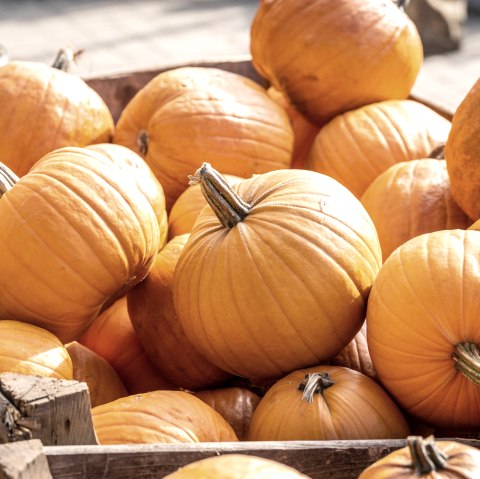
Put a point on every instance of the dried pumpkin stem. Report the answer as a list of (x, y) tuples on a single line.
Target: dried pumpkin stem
[(314, 383), (467, 359), (7, 179), (425, 456), (226, 204), (65, 58), (402, 4), (142, 142)]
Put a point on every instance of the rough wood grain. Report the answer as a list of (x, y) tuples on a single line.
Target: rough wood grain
[(53, 410), (23, 460)]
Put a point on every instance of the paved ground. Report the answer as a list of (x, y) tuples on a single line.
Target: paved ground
[(125, 35)]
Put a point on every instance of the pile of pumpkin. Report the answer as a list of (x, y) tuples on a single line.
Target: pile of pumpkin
[(231, 262)]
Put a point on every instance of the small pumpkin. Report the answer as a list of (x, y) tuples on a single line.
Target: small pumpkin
[(236, 466), (423, 328), (412, 198), (330, 57), (323, 403), (111, 335), (28, 349), (357, 146), (159, 416), (427, 458), (104, 384), (263, 243), (153, 316), (73, 233)]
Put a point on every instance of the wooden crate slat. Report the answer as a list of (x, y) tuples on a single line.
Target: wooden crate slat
[(23, 460)]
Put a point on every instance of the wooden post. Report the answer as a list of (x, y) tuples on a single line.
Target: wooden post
[(23, 460), (53, 410)]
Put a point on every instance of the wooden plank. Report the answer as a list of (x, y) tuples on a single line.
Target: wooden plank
[(23, 460), (316, 459), (53, 410)]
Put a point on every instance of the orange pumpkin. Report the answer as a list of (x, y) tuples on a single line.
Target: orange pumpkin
[(111, 335), (462, 153), (103, 381), (423, 328), (151, 310), (330, 57), (357, 146), (28, 349), (323, 403), (427, 458), (43, 109), (159, 416), (412, 198), (264, 243), (235, 404), (73, 233), (189, 115)]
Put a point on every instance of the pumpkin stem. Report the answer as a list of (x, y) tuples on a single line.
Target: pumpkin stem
[(426, 457), (402, 4), (142, 142), (7, 179), (226, 204), (314, 383), (65, 58), (467, 359), (438, 152)]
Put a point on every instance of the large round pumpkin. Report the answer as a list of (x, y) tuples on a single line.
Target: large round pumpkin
[(151, 310), (330, 57), (268, 241), (189, 115), (323, 403), (74, 232), (423, 328), (43, 109), (159, 416), (355, 147), (412, 198), (28, 349)]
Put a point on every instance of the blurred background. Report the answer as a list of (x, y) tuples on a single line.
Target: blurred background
[(121, 36)]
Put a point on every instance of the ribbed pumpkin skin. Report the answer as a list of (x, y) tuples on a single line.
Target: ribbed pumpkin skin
[(104, 384), (328, 60), (357, 146), (187, 207), (412, 198), (235, 466), (159, 416), (462, 153), (305, 237), (153, 316), (218, 117), (235, 404), (283, 415), (28, 349), (423, 303), (44, 109), (73, 232), (111, 335)]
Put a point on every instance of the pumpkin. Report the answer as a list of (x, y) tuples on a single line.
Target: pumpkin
[(323, 403), (280, 235), (153, 316), (412, 198), (235, 404), (201, 114), (159, 416), (236, 466), (111, 335), (357, 146), (28, 349), (423, 328), (427, 458), (103, 381), (73, 233), (187, 207), (462, 154), (304, 131), (332, 57), (45, 108)]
